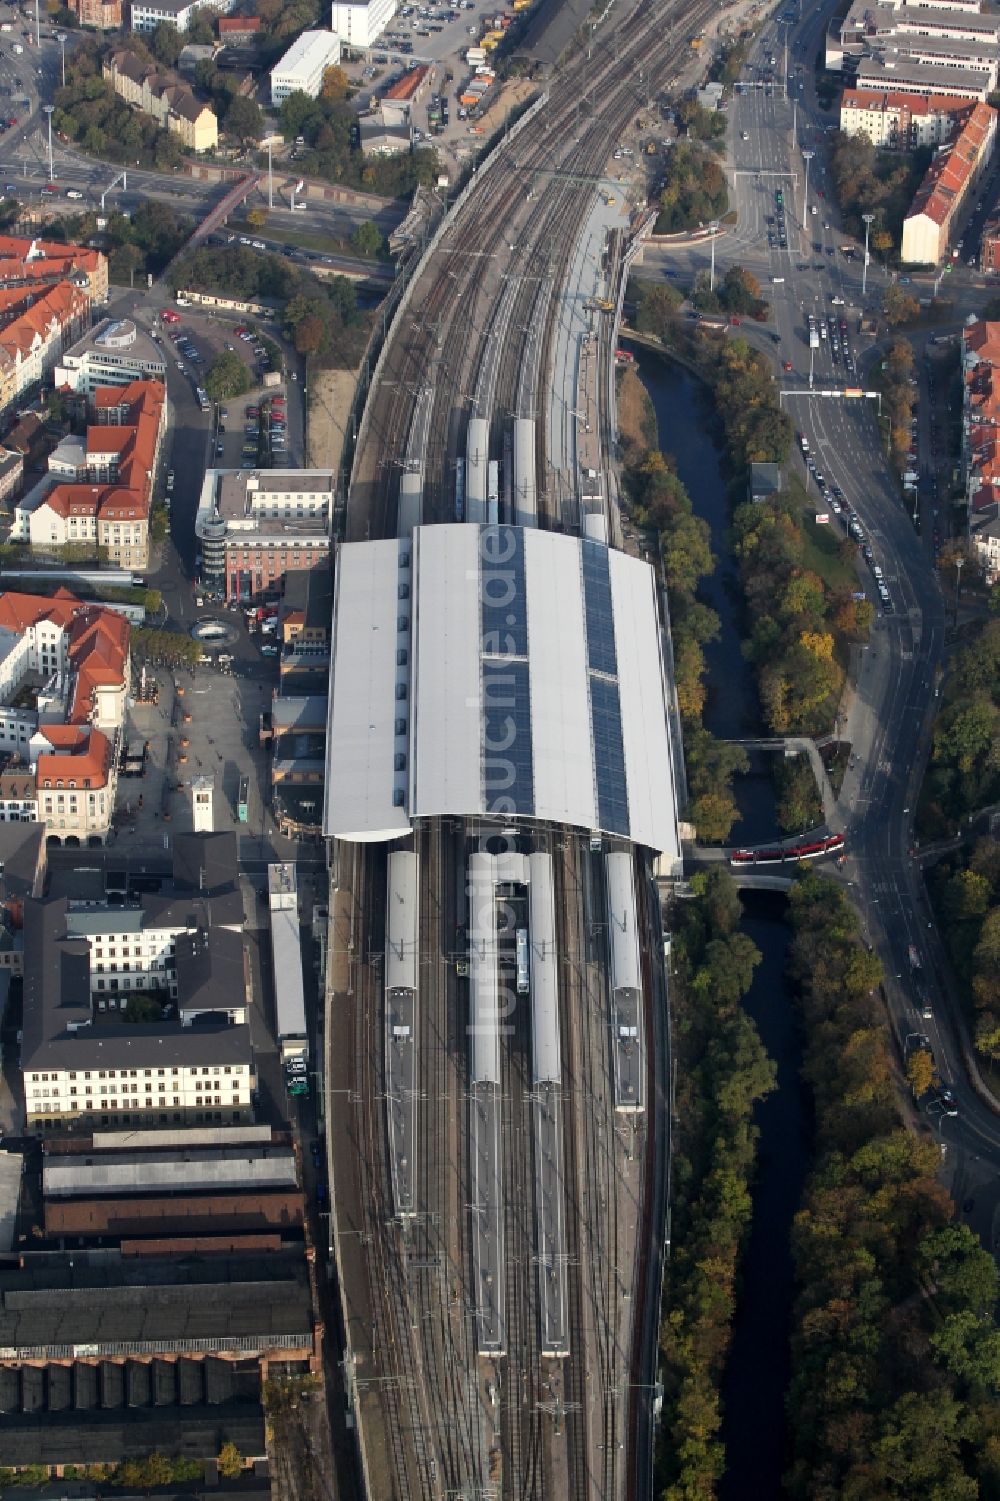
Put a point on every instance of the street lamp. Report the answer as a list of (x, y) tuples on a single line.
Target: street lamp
[(807, 157), (868, 220), (713, 230), (47, 109), (61, 39), (959, 562)]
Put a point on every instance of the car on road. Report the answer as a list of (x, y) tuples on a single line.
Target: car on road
[(837, 300), (786, 365)]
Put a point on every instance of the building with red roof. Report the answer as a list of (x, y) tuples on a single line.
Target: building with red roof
[(64, 681), (901, 122), (107, 505), (949, 180)]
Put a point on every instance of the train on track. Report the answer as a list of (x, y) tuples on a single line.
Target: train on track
[(815, 850)]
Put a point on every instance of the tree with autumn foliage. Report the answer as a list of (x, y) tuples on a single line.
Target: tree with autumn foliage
[(895, 1345)]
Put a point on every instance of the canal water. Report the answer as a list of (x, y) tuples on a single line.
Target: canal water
[(754, 1429), (688, 431)]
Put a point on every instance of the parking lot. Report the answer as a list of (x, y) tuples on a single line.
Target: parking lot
[(438, 37)]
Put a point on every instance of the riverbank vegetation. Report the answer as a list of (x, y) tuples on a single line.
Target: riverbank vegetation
[(800, 626), (661, 504), (895, 1345), (799, 805), (965, 891), (722, 1071)]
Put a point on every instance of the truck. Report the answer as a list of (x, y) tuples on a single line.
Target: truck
[(913, 956), (17, 49), (272, 378)]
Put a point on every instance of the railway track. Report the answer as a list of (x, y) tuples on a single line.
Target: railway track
[(432, 1418), (497, 217), (521, 1431), (394, 1382)]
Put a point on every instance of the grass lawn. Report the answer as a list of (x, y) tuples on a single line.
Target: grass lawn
[(823, 543)]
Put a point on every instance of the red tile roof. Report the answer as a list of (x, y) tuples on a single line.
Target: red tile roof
[(909, 104), (80, 753), (97, 646), (949, 173)]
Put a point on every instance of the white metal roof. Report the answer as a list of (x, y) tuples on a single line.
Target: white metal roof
[(446, 733), (484, 1018), (642, 689), (623, 935), (563, 762), (360, 743), (545, 1053), (534, 686), (401, 934)]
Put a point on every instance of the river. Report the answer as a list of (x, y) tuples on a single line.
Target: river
[(687, 430), (754, 1425)]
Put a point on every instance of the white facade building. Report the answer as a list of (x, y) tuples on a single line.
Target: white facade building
[(360, 25), (303, 65), (146, 15)]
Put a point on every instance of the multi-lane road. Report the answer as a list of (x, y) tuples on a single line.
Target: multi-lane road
[(888, 713)]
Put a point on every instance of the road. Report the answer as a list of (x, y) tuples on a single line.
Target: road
[(889, 715)]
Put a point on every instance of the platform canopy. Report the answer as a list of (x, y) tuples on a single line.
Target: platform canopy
[(495, 671)]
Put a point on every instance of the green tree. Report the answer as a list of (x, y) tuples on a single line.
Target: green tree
[(166, 44), (227, 376), (200, 28), (367, 240), (243, 119)]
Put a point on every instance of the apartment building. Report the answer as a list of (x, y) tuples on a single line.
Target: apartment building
[(171, 103), (64, 681), (239, 31), (901, 122), (37, 263), (97, 492), (36, 324), (105, 15), (951, 177)]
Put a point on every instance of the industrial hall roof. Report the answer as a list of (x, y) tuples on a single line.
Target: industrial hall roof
[(497, 671)]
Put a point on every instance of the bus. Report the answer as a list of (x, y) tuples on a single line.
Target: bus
[(243, 802), (522, 961)]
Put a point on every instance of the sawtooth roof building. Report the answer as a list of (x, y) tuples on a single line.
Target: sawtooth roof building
[(496, 671)]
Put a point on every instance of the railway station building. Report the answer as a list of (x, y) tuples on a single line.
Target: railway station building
[(499, 672)]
